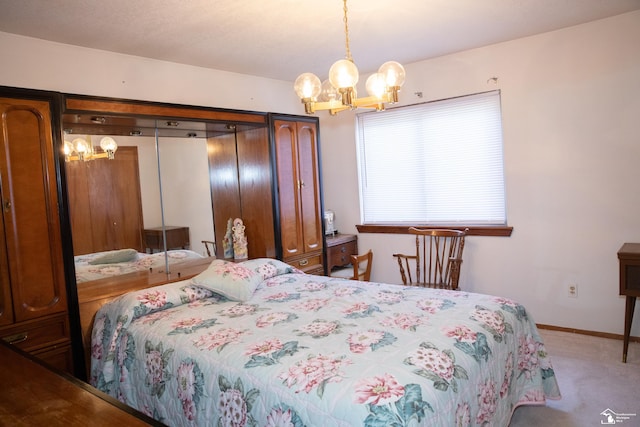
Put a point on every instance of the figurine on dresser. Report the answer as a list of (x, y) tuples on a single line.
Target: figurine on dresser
[(239, 240), (227, 241)]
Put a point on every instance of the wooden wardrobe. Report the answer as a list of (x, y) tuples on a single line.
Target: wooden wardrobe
[(33, 297), (297, 161), (105, 204)]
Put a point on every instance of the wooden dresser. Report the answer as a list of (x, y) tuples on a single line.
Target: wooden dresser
[(177, 237), (33, 395), (340, 247)]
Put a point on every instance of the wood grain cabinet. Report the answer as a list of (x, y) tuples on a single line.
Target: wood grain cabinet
[(299, 192), (105, 203), (241, 187), (33, 299), (340, 247), (177, 238)]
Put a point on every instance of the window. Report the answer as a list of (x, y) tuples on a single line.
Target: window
[(437, 163)]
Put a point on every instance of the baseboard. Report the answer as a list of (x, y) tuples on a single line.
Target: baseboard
[(585, 332)]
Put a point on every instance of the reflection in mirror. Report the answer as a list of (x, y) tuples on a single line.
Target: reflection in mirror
[(160, 194), (116, 206), (186, 194)]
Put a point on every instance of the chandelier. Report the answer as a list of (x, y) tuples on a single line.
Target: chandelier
[(338, 92), (82, 149)]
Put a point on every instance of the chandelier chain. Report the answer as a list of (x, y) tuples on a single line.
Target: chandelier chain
[(346, 32)]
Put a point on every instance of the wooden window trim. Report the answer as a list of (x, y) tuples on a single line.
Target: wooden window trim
[(488, 230)]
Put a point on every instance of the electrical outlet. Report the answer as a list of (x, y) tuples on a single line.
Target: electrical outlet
[(572, 290)]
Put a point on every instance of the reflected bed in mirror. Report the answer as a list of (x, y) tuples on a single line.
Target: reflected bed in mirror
[(105, 264)]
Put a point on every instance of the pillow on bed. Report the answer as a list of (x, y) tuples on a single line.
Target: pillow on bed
[(112, 257), (234, 281), (268, 267)]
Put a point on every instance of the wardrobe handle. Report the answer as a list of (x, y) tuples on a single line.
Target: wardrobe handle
[(16, 339), (304, 262), (6, 205)]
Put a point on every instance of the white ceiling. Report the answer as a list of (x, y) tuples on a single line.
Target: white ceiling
[(282, 38)]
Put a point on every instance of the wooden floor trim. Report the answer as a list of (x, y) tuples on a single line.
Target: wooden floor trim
[(585, 332)]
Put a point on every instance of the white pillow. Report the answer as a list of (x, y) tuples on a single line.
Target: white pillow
[(112, 257), (234, 281)]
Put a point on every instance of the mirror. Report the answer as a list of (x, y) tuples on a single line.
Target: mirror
[(154, 196)]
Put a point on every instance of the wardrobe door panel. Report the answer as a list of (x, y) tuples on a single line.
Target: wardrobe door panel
[(225, 193), (30, 209), (288, 184), (254, 164), (310, 186), (105, 203)]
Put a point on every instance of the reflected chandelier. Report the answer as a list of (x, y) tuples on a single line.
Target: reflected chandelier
[(82, 149), (338, 92)]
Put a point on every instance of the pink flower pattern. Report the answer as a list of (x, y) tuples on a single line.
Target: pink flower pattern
[(490, 318), (463, 415), (361, 342), (433, 360), (528, 356), (264, 347), (153, 299), (487, 401), (219, 339), (239, 310), (379, 390), (403, 321), (430, 305), (271, 319), (314, 372), (313, 304), (461, 333)]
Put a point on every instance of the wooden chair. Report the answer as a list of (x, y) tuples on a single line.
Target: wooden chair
[(361, 268), (437, 260), (210, 247)]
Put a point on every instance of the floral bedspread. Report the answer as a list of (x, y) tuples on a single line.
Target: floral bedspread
[(86, 272), (307, 350)]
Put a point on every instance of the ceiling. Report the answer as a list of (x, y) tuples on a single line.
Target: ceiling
[(281, 39)]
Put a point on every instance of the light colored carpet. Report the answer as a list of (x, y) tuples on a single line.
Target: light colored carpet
[(592, 379)]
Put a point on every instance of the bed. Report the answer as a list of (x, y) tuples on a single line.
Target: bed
[(260, 343), (100, 265)]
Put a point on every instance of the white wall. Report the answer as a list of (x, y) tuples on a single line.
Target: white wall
[(39, 64), (571, 108), (570, 103)]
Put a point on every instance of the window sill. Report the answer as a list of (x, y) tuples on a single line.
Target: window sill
[(480, 230)]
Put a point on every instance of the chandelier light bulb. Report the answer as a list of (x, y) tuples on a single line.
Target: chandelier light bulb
[(68, 148), (108, 144), (343, 74), (376, 85), (393, 73), (307, 86), (328, 93), (81, 145)]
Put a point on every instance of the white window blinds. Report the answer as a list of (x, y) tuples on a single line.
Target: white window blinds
[(435, 163)]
